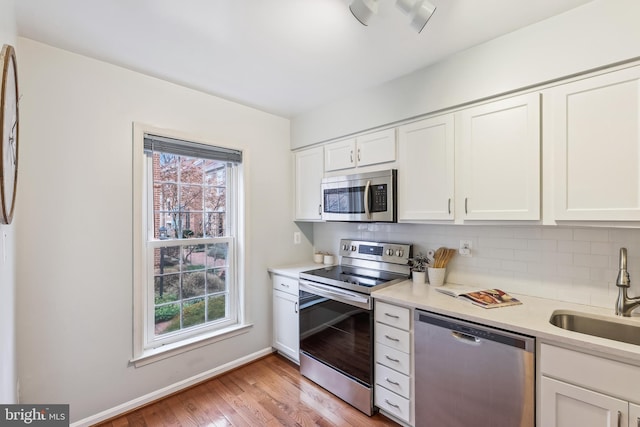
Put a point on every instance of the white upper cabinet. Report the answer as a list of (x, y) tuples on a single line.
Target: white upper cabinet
[(340, 155), (371, 149), (309, 170), (594, 135), (426, 165), (500, 160)]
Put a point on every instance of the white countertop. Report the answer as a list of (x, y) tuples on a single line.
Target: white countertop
[(293, 271), (530, 318)]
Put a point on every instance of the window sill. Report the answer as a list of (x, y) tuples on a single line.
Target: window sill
[(170, 350)]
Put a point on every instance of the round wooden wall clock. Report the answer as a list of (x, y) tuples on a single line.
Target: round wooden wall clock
[(9, 132)]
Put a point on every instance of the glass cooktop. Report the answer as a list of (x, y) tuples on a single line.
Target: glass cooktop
[(360, 279)]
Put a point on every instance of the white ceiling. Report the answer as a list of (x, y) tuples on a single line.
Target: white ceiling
[(281, 56)]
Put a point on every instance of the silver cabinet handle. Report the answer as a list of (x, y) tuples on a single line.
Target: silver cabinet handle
[(449, 206), (392, 315), (391, 404), (295, 309), (619, 419), (284, 284), (392, 338), (320, 209), (351, 156), (391, 382), (392, 359), (358, 154), (466, 199)]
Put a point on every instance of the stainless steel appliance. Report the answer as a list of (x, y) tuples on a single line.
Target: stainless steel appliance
[(469, 374), (336, 317), (366, 197)]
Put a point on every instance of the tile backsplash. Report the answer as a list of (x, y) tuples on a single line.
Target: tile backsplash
[(573, 264)]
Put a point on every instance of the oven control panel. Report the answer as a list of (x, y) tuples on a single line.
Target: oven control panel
[(397, 253)]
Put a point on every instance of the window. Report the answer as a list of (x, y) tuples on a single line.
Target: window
[(187, 259)]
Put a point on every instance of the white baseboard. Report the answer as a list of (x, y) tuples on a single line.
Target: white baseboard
[(166, 391)]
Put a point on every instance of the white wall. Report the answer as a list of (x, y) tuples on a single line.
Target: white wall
[(595, 34), (8, 376), (75, 249), (573, 264)]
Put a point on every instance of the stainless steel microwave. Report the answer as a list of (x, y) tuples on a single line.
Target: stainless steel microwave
[(365, 197)]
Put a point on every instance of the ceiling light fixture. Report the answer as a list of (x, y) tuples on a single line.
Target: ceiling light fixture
[(419, 12), (363, 10)]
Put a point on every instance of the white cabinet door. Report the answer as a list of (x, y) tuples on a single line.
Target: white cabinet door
[(595, 133), (634, 415), (427, 170), (566, 405), (340, 155), (375, 148), (366, 150), (285, 324), (500, 168), (309, 170)]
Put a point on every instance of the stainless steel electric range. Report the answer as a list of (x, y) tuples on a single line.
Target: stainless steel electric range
[(336, 317)]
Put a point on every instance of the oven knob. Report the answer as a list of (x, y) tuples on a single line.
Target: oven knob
[(399, 252), (390, 252), (345, 247), (353, 248)]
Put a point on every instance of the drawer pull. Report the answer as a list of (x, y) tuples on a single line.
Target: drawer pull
[(392, 315), (392, 359), (284, 284), (391, 404), (392, 338), (391, 382)]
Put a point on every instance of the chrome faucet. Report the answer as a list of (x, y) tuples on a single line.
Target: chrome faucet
[(624, 305)]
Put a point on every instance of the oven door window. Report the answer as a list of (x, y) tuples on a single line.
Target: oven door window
[(338, 335)]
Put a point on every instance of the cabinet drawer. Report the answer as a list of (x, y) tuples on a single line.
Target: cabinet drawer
[(393, 337), (392, 403), (393, 380), (592, 372), (392, 358), (285, 284), (400, 317)]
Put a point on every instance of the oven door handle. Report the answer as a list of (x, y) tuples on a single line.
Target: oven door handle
[(336, 294)]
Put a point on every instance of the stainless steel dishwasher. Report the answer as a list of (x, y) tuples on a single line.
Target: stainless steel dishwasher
[(472, 375)]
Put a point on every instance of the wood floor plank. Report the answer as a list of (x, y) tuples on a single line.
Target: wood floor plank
[(269, 392)]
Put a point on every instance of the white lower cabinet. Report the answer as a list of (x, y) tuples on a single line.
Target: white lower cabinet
[(285, 317), (393, 391), (578, 389), (566, 405)]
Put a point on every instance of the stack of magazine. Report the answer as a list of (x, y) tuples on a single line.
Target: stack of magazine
[(486, 298)]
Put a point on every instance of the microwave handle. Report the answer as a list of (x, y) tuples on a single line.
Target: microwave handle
[(366, 200)]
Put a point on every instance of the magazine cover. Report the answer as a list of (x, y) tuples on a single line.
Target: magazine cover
[(491, 298)]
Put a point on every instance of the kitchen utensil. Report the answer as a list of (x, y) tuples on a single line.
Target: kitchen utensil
[(442, 257)]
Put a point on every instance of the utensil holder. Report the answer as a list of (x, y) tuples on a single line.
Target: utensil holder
[(436, 276)]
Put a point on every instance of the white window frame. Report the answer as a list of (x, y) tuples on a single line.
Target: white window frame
[(146, 347)]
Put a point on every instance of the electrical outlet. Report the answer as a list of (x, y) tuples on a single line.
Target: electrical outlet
[(296, 238), (465, 248)]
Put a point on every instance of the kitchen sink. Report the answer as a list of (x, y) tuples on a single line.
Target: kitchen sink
[(595, 325)]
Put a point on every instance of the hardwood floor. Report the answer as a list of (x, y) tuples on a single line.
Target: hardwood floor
[(268, 392)]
